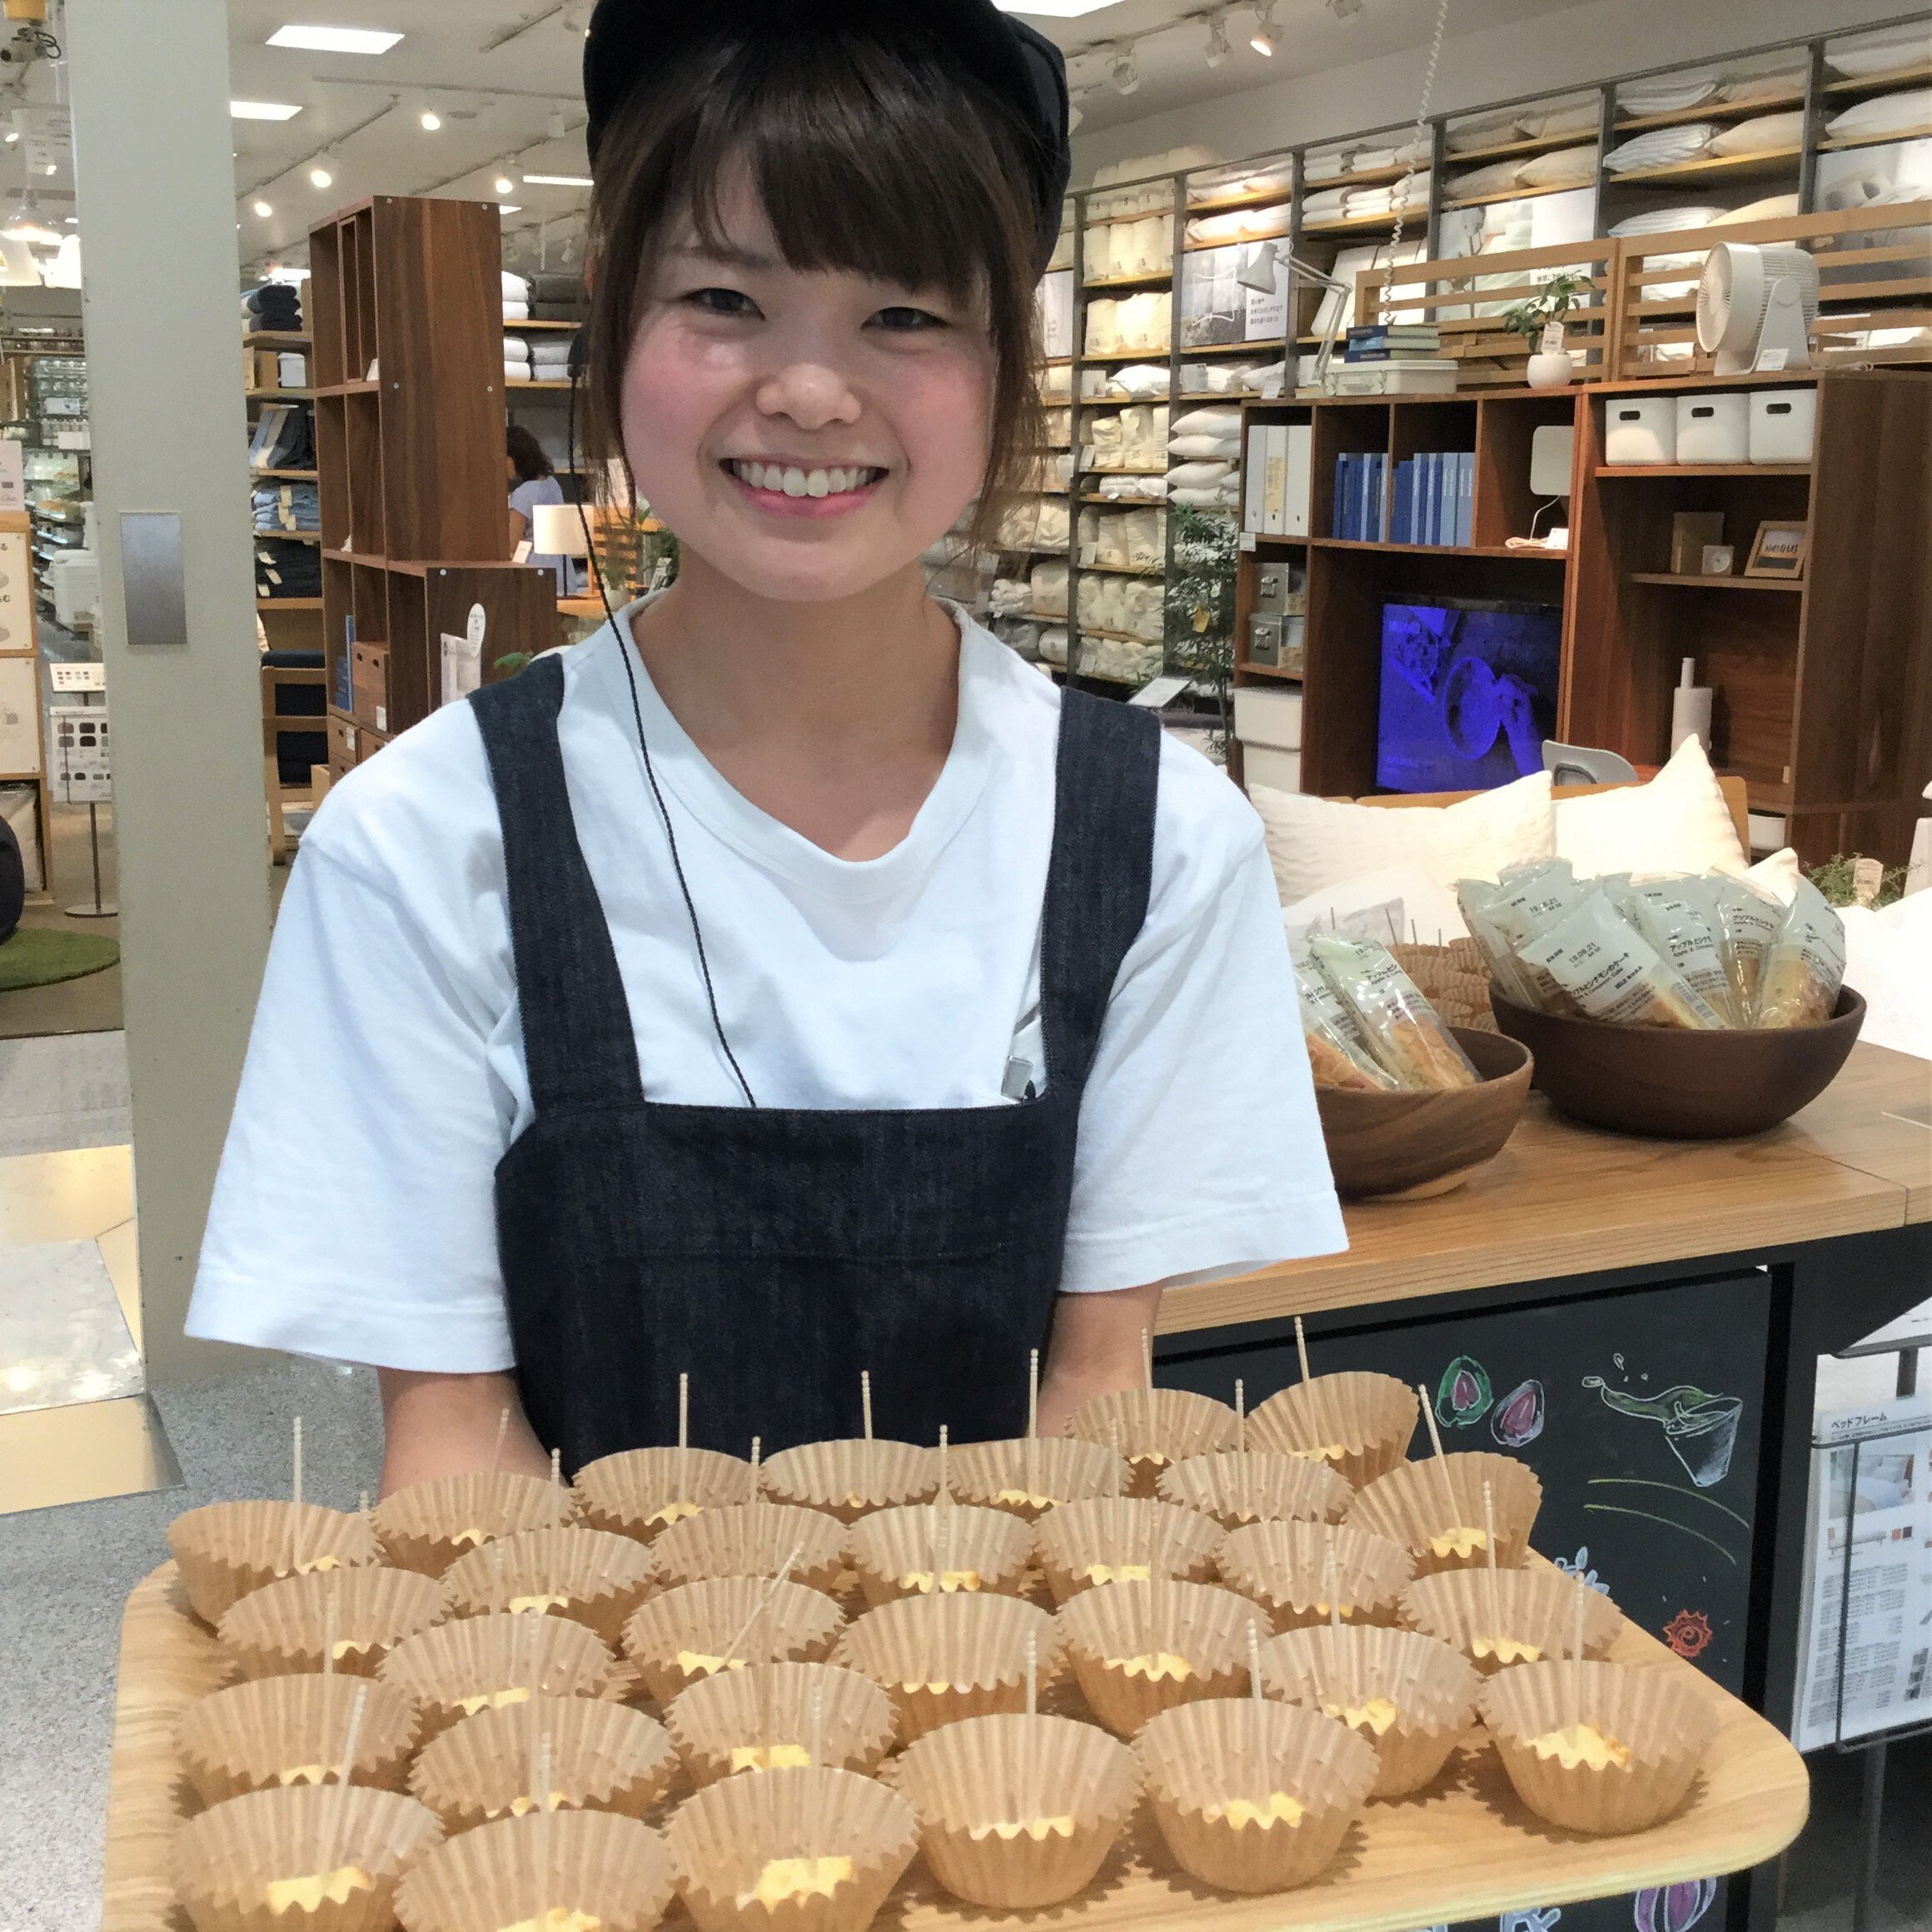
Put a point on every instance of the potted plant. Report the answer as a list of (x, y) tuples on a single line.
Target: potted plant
[(1539, 322)]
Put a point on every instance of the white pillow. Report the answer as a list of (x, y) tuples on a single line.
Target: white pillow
[(1498, 178), (1198, 476), (1197, 449), (1208, 423), (1315, 845), (1761, 87), (1679, 822), (1884, 114), (1888, 958), (1777, 874), (1398, 903), (1762, 134), (1565, 169), (1884, 53), (1140, 379)]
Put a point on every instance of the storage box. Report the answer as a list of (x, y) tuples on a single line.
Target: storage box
[(344, 745), (1264, 638), (1640, 429), (1261, 764), (1269, 719), (369, 676), (1782, 422), (1714, 427)]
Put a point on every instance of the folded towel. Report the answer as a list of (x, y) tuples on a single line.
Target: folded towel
[(516, 287), (516, 311)]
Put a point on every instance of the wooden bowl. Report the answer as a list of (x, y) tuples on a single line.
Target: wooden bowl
[(1414, 1145), (1679, 1084)]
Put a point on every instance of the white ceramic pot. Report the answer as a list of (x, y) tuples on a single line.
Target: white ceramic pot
[(1551, 371)]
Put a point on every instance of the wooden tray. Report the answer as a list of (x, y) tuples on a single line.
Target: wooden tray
[(1466, 1849)]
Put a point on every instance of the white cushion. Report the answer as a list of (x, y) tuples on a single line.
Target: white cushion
[(1679, 822), (1565, 169), (1208, 423), (1883, 114), (1762, 134), (1314, 843), (1888, 958), (1777, 874), (1884, 53), (1199, 449), (1499, 177), (1398, 904)]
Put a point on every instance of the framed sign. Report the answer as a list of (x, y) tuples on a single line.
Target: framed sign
[(1779, 550)]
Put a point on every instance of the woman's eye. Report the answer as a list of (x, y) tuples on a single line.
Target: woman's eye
[(722, 301), (902, 317)]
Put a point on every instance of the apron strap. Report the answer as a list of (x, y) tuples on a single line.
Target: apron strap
[(1106, 781), (578, 1045)]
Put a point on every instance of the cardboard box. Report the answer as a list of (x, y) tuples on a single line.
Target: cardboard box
[(370, 685), (345, 748)]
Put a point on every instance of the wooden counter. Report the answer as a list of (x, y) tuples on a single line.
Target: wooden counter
[(1565, 1200)]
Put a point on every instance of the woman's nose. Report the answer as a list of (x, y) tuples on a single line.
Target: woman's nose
[(811, 393)]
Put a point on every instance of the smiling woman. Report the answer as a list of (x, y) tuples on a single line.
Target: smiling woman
[(788, 984)]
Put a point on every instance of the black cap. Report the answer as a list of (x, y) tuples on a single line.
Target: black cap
[(631, 39)]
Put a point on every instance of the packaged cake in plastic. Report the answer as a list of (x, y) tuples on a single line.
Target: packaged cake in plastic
[(1806, 967), (1399, 1023), (1613, 974), (1338, 1054), (1677, 917)]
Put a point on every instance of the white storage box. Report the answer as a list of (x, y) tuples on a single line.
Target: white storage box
[(1781, 424), (1714, 427), (1262, 765), (1272, 719), (1640, 429)]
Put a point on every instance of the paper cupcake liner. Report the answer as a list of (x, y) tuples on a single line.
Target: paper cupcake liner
[(428, 1526), (277, 1732), (943, 1658), (603, 1757), (947, 1547), (1284, 1567), (591, 1576), (1409, 1506), (227, 1550), (1257, 1487), (282, 1630), (226, 1859), (1201, 1759), (1358, 1422), (1155, 1428), (639, 1493), (1155, 1627), (1026, 1475), (753, 1539), (1666, 1725), (1536, 1608), (760, 1719), (851, 1479), (1342, 1673), (482, 1663), (726, 1623), (1113, 1539), (613, 1870), (724, 1839), (1017, 1812)]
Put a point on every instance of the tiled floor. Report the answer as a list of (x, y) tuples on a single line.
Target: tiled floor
[(64, 1090)]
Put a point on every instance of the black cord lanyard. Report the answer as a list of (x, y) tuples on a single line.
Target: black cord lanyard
[(650, 770)]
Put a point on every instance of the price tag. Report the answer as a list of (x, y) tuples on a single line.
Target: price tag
[(1247, 540), (1552, 338), (1772, 359)]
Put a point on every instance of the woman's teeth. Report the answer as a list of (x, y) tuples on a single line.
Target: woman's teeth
[(796, 482)]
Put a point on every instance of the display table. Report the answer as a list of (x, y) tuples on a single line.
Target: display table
[(1640, 1319), (1466, 1850)]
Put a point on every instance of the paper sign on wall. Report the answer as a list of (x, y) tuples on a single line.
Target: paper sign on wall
[(463, 656), (78, 677), (12, 476)]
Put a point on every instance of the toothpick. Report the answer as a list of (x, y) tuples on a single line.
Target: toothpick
[(945, 1476), (952, 1549), (502, 1430), (1577, 1649), (557, 1467), (1033, 1674), (1241, 1420), (545, 1806), (1254, 1698), (1147, 1352), (756, 1445), (1033, 1391), (1301, 1348), (294, 1503), (815, 1746), (1331, 1579), (1489, 1545), (866, 1399), (499, 1596), (362, 1503), (1119, 1462), (329, 1629), (339, 1815), (1441, 1460), (684, 1413)]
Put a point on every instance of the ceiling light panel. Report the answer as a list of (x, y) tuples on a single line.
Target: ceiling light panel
[(1052, 9), (264, 110), (556, 180), (334, 39)]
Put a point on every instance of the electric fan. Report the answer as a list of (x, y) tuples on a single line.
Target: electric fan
[(1753, 301)]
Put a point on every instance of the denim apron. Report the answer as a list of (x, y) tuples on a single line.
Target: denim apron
[(773, 1252)]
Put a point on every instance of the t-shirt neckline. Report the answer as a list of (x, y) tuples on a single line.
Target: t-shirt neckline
[(685, 773)]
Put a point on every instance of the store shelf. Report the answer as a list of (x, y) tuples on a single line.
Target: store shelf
[(1691, 583), (1703, 469), (1115, 469), (1882, 83), (1518, 195), (308, 536), (282, 395), (1491, 550), (1262, 198), (1280, 240), (1120, 570), (1276, 671), (1128, 502), (511, 382), (1147, 281), (1117, 360), (287, 475), (1542, 144), (1712, 110), (274, 339), (1838, 146), (1189, 355), (510, 328), (1723, 168), (288, 603), (1369, 177)]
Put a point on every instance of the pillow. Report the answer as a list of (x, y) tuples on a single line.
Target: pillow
[(1761, 134), (1498, 178), (1778, 875), (1198, 476), (1762, 88), (1664, 148), (1567, 167), (1315, 845), (1208, 423), (1771, 208), (1400, 902), (1888, 958), (1140, 379), (1679, 822), (1884, 114), (1196, 449), (1887, 53), (1584, 117)]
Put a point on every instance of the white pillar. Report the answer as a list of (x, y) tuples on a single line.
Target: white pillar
[(155, 182)]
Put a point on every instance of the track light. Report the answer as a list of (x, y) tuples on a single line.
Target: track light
[(1123, 70), (1217, 40), (1265, 39), (504, 185), (264, 209), (432, 121), (322, 172)]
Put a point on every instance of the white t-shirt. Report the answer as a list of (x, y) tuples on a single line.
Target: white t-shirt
[(353, 1215)]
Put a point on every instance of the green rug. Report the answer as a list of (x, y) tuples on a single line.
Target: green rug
[(34, 958)]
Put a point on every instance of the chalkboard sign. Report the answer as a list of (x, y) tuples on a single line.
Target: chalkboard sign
[(1639, 1413)]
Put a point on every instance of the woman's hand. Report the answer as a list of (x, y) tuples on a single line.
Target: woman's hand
[(1096, 1348), (446, 1425)]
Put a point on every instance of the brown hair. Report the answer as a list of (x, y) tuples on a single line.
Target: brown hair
[(526, 455), (866, 159)]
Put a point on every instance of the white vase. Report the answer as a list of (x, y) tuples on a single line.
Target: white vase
[(1551, 371)]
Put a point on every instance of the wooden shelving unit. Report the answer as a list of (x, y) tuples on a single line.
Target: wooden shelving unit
[(415, 533), (1823, 685)]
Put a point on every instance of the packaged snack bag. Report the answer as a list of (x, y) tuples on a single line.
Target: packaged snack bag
[(1807, 965), (1400, 1025), (1476, 897), (1747, 922), (1339, 1055), (1613, 973), (1677, 917), (1531, 901)]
